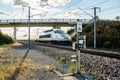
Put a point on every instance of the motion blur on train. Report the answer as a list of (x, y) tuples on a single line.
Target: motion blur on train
[(55, 36)]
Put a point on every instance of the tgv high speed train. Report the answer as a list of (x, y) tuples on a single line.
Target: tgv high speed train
[(56, 36)]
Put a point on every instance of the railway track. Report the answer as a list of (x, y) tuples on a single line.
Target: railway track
[(99, 52), (99, 61)]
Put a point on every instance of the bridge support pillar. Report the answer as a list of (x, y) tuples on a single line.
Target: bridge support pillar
[(15, 30), (56, 27)]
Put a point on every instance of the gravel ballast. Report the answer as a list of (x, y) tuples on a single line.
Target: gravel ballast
[(101, 67)]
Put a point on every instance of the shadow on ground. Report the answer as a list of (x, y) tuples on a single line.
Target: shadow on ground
[(17, 71)]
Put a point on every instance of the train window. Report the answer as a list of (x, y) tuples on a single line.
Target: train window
[(48, 31), (60, 32), (45, 36), (55, 31)]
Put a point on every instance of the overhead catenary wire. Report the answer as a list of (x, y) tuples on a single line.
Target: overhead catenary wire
[(86, 12), (99, 3), (71, 6), (41, 14), (109, 11), (110, 8), (67, 8)]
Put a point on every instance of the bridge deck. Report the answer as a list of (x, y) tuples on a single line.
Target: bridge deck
[(40, 22)]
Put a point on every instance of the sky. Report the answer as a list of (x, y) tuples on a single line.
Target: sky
[(17, 9), (63, 9)]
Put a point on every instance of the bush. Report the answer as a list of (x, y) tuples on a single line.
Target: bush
[(88, 28), (70, 31), (106, 31), (5, 39), (107, 44)]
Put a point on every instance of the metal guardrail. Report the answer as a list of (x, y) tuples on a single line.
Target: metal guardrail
[(42, 20)]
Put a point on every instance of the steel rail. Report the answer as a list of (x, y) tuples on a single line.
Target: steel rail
[(99, 52)]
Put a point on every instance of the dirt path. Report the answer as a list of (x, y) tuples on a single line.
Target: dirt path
[(36, 66)]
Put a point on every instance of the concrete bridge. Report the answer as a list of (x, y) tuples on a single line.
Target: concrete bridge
[(55, 23), (40, 22)]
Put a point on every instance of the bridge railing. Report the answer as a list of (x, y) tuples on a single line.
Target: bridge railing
[(43, 20)]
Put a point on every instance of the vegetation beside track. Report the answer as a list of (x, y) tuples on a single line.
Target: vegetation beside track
[(5, 39), (13, 67), (108, 34), (7, 62)]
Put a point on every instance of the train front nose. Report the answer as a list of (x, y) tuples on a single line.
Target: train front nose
[(66, 37)]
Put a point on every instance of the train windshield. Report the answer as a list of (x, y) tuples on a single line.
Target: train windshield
[(60, 32)]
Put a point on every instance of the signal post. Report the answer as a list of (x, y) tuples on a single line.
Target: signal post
[(80, 43), (78, 30)]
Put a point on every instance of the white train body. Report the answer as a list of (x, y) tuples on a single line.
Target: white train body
[(54, 36)]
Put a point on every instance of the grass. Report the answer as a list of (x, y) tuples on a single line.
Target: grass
[(72, 67), (1, 51), (1, 77), (6, 46), (1, 54), (6, 70), (25, 70), (12, 60), (62, 59), (46, 53), (29, 66), (95, 73)]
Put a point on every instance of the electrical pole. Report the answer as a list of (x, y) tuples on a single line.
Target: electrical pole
[(14, 33), (29, 27), (95, 25)]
